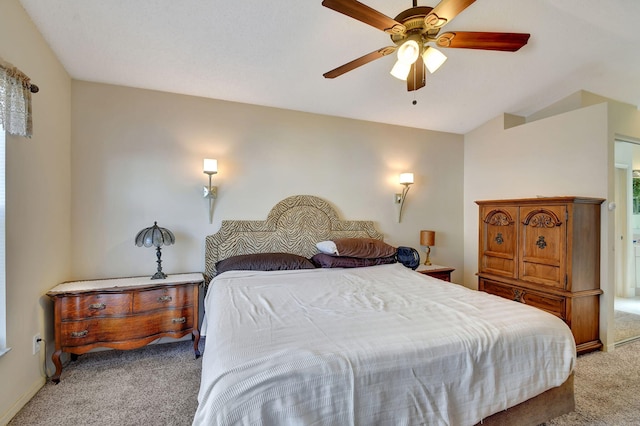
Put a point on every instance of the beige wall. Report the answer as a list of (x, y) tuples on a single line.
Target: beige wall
[(560, 155), (137, 158), (38, 207)]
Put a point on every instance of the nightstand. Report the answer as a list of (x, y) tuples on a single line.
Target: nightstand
[(436, 271), (123, 313)]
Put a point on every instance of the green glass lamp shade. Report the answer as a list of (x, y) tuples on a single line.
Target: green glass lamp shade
[(156, 236)]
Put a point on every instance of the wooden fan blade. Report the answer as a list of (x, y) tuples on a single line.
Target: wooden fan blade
[(444, 12), (364, 13), (417, 76), (359, 62), (508, 42)]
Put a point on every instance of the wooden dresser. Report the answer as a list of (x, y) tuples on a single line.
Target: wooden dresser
[(545, 252), (124, 313)]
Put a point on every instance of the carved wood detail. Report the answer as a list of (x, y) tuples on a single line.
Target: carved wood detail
[(498, 218), (542, 219)]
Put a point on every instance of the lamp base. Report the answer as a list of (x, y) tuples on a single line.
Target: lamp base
[(427, 261), (159, 275)]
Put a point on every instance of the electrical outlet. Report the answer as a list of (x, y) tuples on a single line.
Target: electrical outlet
[(36, 343)]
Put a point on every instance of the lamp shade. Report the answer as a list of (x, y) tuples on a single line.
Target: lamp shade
[(401, 70), (428, 238), (433, 58), (409, 51), (210, 166), (406, 178), (155, 236)]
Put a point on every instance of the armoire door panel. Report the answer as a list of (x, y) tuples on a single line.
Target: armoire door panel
[(498, 251), (543, 244)]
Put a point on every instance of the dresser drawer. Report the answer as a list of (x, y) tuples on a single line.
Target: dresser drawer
[(95, 305), (118, 329), (552, 304), (162, 298)]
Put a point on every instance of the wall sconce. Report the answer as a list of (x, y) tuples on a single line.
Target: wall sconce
[(210, 167), (406, 179), (428, 238), (155, 236)]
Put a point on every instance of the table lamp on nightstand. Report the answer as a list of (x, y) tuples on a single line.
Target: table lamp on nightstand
[(157, 237), (428, 238)]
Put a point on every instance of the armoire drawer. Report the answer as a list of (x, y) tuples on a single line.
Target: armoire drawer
[(550, 303)]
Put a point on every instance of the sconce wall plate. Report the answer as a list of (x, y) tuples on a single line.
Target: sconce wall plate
[(406, 179), (210, 192)]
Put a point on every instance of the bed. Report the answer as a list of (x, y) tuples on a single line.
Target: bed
[(369, 345)]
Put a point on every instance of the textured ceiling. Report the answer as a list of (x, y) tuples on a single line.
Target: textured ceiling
[(274, 53)]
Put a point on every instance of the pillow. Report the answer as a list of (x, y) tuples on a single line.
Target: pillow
[(327, 247), (323, 260), (365, 248), (264, 262)]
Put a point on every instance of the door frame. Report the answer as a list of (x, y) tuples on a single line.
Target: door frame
[(624, 271)]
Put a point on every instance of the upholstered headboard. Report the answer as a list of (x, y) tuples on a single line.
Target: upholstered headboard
[(294, 225)]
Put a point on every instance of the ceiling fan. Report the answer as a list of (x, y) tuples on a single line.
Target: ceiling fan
[(411, 33)]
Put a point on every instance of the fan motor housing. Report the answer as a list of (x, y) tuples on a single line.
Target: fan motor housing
[(413, 20)]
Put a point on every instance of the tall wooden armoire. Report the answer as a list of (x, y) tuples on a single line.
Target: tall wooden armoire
[(545, 252)]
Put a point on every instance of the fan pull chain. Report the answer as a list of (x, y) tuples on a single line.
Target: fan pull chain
[(415, 72)]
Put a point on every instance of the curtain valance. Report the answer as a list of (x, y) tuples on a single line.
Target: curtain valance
[(15, 100)]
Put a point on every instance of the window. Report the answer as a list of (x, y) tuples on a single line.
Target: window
[(3, 294)]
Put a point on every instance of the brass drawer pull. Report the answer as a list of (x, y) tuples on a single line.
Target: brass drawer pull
[(97, 306), (79, 334), (165, 299), (180, 320), (518, 295)]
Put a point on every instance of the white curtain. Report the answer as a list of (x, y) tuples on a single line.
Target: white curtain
[(15, 101)]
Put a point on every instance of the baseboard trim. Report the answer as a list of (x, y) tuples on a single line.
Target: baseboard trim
[(22, 401)]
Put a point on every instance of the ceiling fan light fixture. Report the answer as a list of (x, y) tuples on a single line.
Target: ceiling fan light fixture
[(433, 59), (408, 52), (401, 70)]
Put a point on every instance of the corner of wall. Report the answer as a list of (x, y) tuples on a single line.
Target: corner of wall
[(6, 417), (511, 120)]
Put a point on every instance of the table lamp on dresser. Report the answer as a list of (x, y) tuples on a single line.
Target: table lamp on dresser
[(155, 236)]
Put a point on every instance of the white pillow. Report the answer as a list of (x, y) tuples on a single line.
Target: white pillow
[(328, 247)]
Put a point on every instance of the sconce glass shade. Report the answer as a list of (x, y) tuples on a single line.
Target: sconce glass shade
[(433, 59), (156, 236), (427, 238), (210, 166), (406, 178)]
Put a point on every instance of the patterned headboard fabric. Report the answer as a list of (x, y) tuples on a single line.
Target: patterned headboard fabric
[(294, 225)]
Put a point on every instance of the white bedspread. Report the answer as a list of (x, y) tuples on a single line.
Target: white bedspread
[(381, 345)]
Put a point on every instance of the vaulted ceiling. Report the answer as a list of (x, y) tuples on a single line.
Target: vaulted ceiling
[(273, 53)]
